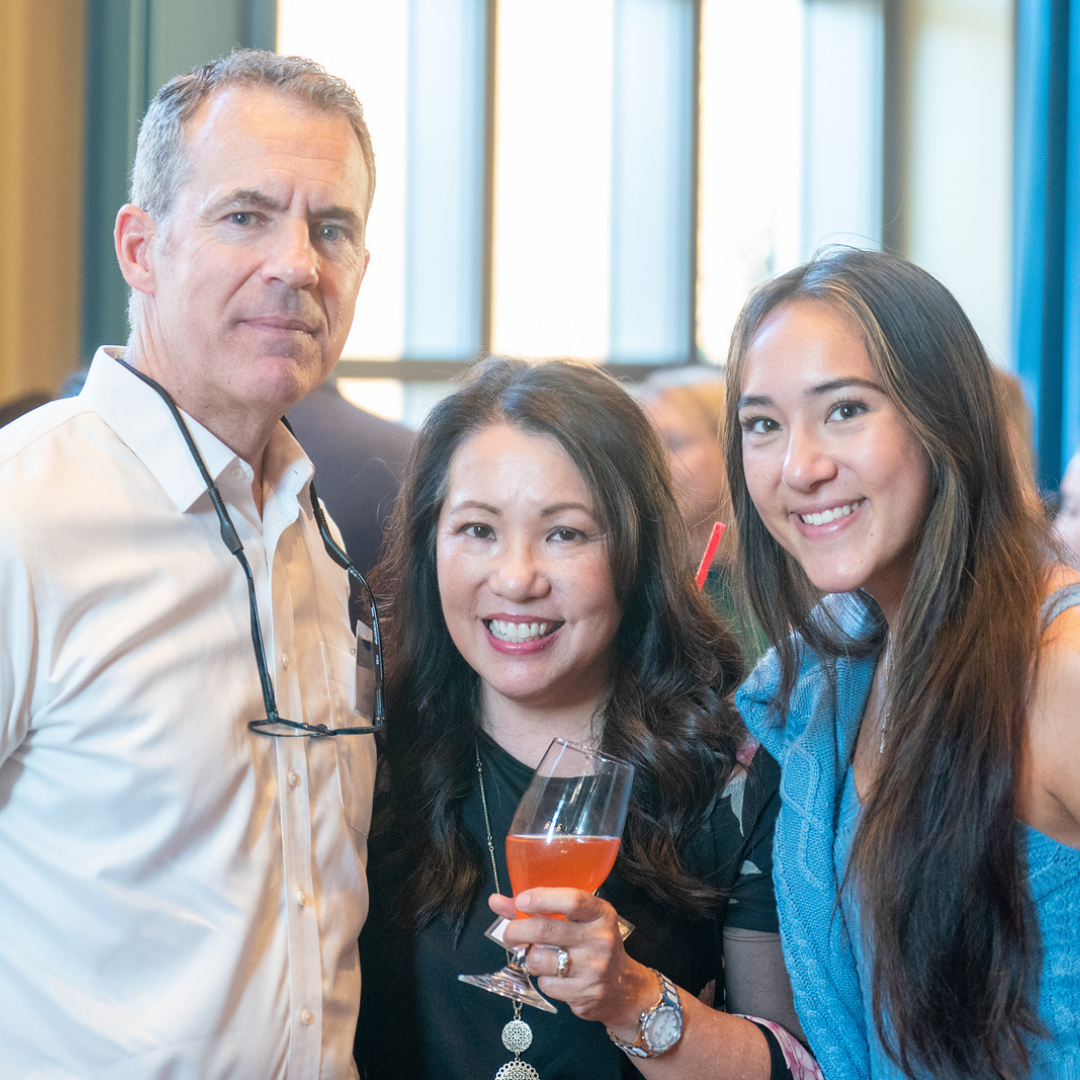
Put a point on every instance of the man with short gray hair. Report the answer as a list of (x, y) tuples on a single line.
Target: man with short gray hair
[(183, 885)]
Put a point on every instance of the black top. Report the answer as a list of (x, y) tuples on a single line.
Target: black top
[(417, 1020)]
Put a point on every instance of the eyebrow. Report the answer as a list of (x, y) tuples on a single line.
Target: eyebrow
[(473, 504), (245, 197), (548, 511), (558, 508), (752, 400)]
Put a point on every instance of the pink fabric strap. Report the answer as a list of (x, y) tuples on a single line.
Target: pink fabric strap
[(799, 1060)]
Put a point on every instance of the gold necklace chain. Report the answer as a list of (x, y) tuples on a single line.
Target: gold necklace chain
[(517, 1035), (487, 820)]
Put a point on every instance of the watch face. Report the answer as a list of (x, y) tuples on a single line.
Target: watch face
[(663, 1029)]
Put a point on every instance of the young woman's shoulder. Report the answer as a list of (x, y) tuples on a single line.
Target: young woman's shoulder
[(1049, 792)]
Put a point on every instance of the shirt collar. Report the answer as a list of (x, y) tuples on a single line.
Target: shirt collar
[(142, 420)]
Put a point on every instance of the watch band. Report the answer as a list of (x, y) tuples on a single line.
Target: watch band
[(669, 999)]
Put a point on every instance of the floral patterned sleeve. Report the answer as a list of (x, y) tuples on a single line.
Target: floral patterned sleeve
[(755, 801), (754, 797)]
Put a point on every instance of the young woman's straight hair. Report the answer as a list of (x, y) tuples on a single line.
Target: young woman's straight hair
[(675, 663), (940, 876)]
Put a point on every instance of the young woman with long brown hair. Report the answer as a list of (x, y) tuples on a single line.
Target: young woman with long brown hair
[(922, 695)]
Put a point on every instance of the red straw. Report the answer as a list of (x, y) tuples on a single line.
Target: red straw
[(710, 551)]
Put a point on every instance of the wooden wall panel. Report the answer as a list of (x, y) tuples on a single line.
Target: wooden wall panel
[(41, 151)]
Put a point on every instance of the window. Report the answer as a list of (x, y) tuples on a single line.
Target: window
[(608, 179)]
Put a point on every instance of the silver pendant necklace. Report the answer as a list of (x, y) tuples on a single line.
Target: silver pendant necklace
[(517, 1036)]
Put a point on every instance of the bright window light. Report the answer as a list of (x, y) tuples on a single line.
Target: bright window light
[(589, 236), (842, 123), (365, 42), (749, 156), (961, 127), (552, 249), (384, 397)]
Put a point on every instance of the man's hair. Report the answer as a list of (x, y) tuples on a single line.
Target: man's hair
[(161, 159)]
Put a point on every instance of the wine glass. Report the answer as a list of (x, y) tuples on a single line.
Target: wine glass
[(565, 834)]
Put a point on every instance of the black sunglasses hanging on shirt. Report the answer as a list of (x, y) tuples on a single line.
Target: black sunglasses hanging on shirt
[(369, 660)]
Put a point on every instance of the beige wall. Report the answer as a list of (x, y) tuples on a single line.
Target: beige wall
[(41, 141)]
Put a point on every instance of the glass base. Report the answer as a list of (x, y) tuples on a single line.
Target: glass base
[(511, 984)]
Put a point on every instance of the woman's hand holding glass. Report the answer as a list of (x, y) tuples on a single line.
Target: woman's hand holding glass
[(566, 832), (601, 982)]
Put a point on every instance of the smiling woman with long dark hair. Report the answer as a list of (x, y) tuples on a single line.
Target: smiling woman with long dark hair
[(922, 695), (538, 585)]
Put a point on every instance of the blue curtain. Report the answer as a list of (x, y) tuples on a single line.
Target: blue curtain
[(1046, 233)]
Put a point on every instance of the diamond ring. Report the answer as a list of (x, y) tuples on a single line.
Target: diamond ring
[(564, 963)]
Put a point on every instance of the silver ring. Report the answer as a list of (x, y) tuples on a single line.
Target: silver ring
[(564, 963)]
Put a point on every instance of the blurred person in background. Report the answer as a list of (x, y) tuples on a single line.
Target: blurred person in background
[(1067, 521), (359, 458), (686, 406), (1019, 427)]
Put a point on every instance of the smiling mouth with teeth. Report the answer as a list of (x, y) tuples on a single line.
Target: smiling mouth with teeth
[(518, 632), (830, 515)]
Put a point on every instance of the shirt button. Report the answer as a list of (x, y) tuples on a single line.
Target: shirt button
[(285, 661), (294, 779), (301, 897), (307, 1017)]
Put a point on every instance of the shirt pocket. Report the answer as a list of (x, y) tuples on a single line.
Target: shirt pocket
[(354, 754)]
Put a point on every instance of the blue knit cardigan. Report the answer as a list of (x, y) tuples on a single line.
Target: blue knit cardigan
[(814, 744)]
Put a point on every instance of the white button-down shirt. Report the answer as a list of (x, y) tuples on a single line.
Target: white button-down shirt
[(178, 896)]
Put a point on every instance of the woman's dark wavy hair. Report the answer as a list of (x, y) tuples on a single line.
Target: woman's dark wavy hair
[(669, 711), (940, 878)]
